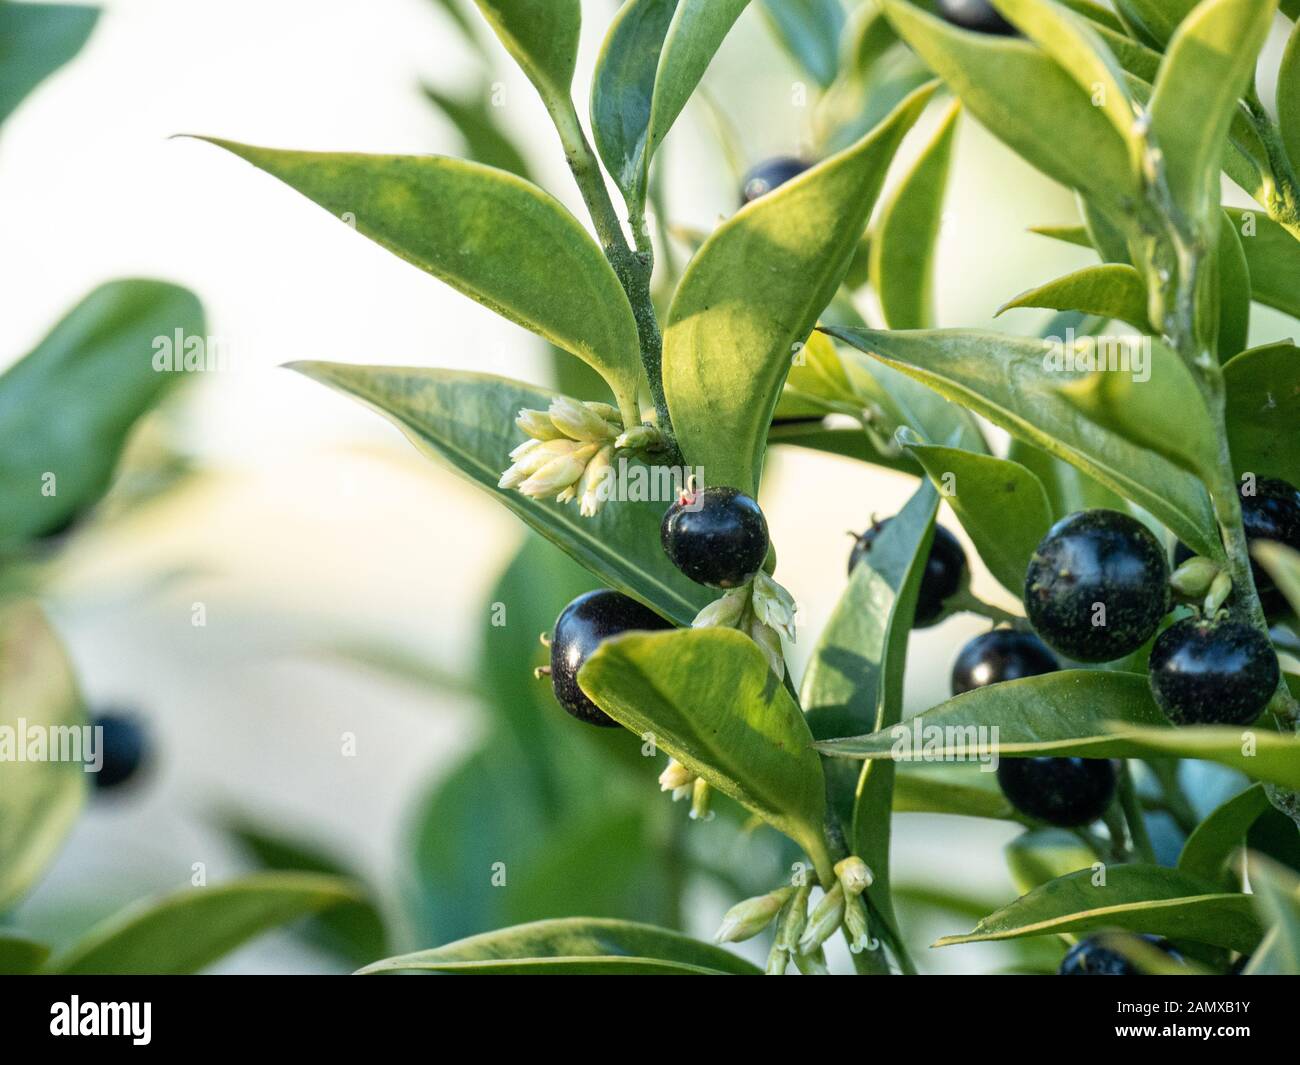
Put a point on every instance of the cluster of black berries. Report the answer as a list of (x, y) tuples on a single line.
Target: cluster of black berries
[(715, 536)]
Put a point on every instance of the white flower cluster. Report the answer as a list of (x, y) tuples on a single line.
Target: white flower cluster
[(762, 609), (569, 451)]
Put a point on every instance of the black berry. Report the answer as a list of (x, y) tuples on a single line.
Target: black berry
[(581, 627), (978, 15), (1207, 672), (1271, 512), (1092, 957), (1065, 792), (1003, 654), (124, 746), (944, 570), (768, 175), (1097, 586), (716, 536)]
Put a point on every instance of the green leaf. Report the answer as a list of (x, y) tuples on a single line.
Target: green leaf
[(1068, 234), (810, 30), (463, 419), (1043, 854), (352, 930), (20, 956), (903, 243), (966, 791), (1139, 898), (1222, 834), (1207, 67), (1112, 291), (542, 36), (1263, 755), (189, 930), (67, 408), (573, 946), (490, 235), (1288, 97), (40, 800), (1234, 291), (1263, 409), (1154, 20), (709, 699), (1277, 897), (1283, 565), (998, 502), (485, 141), (623, 93), (1024, 99), (1273, 256), (35, 40), (1068, 488), (1065, 713), (755, 290), (1005, 380), (851, 443)]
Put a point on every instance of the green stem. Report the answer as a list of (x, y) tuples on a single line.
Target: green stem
[(972, 604), (1174, 801), (1283, 186), (1137, 827)]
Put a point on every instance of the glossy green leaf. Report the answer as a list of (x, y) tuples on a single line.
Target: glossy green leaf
[(1256, 751), (1277, 898), (1263, 410), (966, 791), (464, 419), (1234, 291), (709, 699), (1000, 504), (1068, 488), (1077, 712), (490, 235), (1112, 290), (1273, 256), (1043, 854), (1139, 898), (855, 677), (542, 36), (39, 799), (35, 40), (623, 93), (1208, 65), (1025, 99), (810, 30), (20, 956), (1005, 379), (353, 930), (753, 293), (187, 931), (1288, 97), (903, 242), (67, 408), (575, 946), (1221, 834), (485, 141), (1154, 20)]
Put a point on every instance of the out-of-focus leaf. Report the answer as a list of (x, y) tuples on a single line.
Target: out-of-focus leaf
[(20, 956), (1288, 96), (1273, 256), (574, 946), (851, 443), (1043, 854), (1141, 898), (967, 791), (754, 291), (1234, 291), (1283, 565), (67, 408), (1221, 834), (810, 30), (1263, 755), (1112, 290), (39, 799), (463, 419), (1263, 410), (189, 930), (1006, 380), (485, 141), (35, 40), (903, 244), (1277, 897)]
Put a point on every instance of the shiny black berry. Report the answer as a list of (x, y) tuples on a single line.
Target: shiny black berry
[(1207, 672), (1095, 956), (1271, 512), (715, 536), (579, 630), (768, 175), (124, 745), (1003, 654), (944, 570), (978, 15), (1066, 792), (1097, 586)]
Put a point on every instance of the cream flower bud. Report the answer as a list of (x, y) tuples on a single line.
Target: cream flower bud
[(746, 919), (770, 644), (856, 925), (812, 963), (531, 456), (559, 473), (1194, 577), (537, 424), (641, 438), (575, 420), (724, 613), (826, 917), (1220, 589), (854, 874), (773, 605), (604, 410), (597, 484), (675, 776)]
